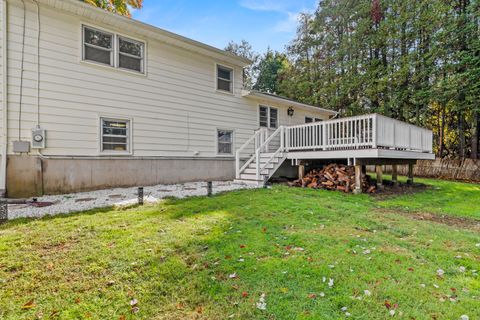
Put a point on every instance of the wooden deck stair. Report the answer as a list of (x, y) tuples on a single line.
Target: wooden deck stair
[(249, 174)]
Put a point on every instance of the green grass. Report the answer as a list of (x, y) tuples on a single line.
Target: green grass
[(176, 258)]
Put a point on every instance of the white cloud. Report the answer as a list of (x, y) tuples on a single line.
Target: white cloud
[(289, 24), (266, 5), (290, 9)]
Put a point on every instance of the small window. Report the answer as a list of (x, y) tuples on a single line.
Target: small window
[(225, 141), (97, 46), (115, 135), (268, 117), (224, 79), (263, 116), (130, 54), (310, 120)]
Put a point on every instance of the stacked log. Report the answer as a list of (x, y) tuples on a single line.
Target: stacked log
[(334, 177)]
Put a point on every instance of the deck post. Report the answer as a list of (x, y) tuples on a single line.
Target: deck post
[(395, 174), (410, 174), (379, 171), (301, 170), (358, 179)]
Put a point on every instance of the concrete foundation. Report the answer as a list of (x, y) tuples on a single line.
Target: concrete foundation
[(33, 176)]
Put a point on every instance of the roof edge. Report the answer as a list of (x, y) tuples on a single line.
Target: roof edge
[(284, 100), (148, 28)]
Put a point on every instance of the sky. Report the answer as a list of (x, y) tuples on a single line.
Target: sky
[(263, 23)]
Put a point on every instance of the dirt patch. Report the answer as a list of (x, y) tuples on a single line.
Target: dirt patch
[(391, 191), (452, 221)]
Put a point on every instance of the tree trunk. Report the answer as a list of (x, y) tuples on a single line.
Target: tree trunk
[(461, 135), (442, 133), (476, 135)]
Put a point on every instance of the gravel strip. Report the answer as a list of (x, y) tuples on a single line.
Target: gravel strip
[(75, 202)]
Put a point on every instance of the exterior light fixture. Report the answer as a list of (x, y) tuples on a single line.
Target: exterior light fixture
[(290, 112)]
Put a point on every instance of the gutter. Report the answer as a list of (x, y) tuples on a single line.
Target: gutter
[(4, 142), (285, 101)]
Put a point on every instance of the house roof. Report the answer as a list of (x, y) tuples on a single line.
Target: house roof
[(85, 10), (255, 94)]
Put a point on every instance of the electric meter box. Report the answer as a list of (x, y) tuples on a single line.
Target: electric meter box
[(38, 138)]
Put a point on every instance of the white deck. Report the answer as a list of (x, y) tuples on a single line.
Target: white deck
[(364, 137)]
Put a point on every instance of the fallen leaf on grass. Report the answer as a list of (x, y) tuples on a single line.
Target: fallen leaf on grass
[(387, 304), (330, 283), (312, 296), (262, 304), (133, 302), (135, 309), (29, 305), (244, 294), (233, 276)]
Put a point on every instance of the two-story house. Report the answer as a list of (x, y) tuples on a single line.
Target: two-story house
[(90, 100)]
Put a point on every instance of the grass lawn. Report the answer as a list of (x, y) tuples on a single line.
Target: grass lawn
[(312, 254)]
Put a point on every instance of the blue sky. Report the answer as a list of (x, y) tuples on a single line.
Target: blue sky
[(263, 23)]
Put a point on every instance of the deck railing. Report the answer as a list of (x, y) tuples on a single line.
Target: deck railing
[(361, 132)]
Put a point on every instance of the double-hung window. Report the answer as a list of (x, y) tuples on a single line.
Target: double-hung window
[(130, 54), (268, 117), (225, 142), (224, 79), (113, 50), (115, 135), (98, 46)]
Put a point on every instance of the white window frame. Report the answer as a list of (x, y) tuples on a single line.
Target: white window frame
[(314, 119), (112, 49), (118, 53), (216, 142), (268, 116), (129, 135), (115, 50), (232, 80)]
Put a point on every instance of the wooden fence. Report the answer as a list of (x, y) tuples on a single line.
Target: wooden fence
[(452, 169)]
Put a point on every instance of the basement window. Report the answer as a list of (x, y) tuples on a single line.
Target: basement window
[(268, 117), (225, 142), (97, 46), (224, 79), (115, 135)]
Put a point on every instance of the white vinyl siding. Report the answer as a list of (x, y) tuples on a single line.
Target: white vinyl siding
[(173, 110)]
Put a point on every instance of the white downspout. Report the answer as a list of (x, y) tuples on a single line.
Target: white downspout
[(4, 142)]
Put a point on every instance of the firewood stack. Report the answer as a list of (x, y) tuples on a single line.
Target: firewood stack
[(334, 177)]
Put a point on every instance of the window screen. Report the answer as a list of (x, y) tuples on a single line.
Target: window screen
[(97, 46), (115, 135), (225, 141)]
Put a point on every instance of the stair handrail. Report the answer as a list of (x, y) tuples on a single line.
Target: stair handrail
[(260, 133), (280, 129)]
